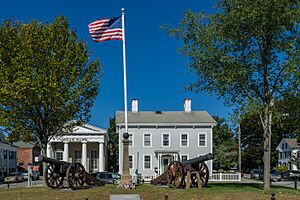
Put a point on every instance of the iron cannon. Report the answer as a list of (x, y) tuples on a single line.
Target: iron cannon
[(74, 173), (194, 171)]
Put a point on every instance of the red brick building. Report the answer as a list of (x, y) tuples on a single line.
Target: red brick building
[(26, 152)]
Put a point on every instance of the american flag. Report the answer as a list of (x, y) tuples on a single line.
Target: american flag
[(106, 29)]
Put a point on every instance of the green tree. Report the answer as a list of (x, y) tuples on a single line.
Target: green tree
[(48, 81), (113, 145), (225, 146), (285, 125), (246, 53)]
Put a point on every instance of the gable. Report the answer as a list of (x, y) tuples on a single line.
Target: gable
[(86, 129)]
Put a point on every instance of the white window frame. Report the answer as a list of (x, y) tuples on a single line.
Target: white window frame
[(162, 139), (144, 162), (59, 151), (132, 140), (205, 139), (150, 140), (187, 144), (132, 161), (79, 150), (187, 156)]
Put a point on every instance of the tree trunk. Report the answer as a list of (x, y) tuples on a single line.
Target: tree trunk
[(267, 147)]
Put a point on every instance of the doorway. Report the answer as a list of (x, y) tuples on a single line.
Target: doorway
[(165, 162)]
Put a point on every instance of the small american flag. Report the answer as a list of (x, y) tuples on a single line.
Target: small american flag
[(106, 29)]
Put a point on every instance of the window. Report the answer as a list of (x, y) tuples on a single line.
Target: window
[(147, 162), (184, 140), (131, 139), (94, 159), (77, 156), (59, 155), (184, 157), (202, 140), (147, 140), (165, 140), (130, 161)]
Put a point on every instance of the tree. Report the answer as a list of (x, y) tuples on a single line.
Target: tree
[(113, 145), (47, 79), (295, 159), (225, 146), (285, 125), (246, 53)]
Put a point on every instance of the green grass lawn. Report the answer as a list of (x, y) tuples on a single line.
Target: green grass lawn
[(215, 191)]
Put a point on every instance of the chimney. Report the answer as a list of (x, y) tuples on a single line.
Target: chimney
[(187, 105), (134, 105)]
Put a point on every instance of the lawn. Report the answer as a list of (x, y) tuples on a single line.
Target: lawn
[(212, 192)]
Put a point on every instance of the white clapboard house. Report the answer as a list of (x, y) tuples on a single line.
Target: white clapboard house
[(159, 137)]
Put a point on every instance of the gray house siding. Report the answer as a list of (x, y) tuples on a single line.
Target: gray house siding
[(137, 150)]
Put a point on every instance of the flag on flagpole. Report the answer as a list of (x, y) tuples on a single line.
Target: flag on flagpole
[(106, 29)]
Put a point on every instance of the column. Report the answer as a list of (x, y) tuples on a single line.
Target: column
[(66, 151), (101, 157), (48, 150), (84, 154)]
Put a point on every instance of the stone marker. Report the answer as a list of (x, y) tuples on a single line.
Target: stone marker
[(124, 197)]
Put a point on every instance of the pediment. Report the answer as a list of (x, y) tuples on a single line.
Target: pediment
[(87, 129)]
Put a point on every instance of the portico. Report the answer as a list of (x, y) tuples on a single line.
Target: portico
[(86, 144)]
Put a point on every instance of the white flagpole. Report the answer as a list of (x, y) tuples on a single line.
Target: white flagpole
[(124, 64)]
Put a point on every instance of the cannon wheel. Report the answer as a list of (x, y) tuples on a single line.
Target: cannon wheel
[(52, 176), (75, 176), (204, 175), (175, 174)]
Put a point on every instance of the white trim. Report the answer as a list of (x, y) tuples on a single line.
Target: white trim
[(144, 140), (187, 156), (59, 151), (167, 124), (97, 160), (205, 139), (144, 162), (162, 139), (188, 143), (132, 155), (74, 155), (131, 144)]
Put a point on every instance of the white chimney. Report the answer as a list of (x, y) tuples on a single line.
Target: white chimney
[(187, 105), (134, 105)]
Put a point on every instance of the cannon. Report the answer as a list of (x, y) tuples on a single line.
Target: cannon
[(194, 171), (74, 173)]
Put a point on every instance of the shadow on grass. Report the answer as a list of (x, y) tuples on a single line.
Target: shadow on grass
[(235, 186)]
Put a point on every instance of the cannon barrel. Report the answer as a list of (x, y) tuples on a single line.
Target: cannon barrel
[(199, 159), (52, 161)]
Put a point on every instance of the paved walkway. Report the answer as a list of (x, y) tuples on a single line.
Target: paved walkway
[(124, 197)]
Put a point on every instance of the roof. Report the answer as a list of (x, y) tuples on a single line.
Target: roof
[(22, 144), (86, 129), (174, 117), (292, 143), (2, 138)]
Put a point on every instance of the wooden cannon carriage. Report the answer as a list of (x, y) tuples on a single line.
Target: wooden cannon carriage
[(74, 173), (193, 172)]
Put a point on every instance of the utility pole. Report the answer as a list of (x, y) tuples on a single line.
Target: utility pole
[(240, 155)]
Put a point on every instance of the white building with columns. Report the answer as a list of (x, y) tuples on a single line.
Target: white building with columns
[(86, 144)]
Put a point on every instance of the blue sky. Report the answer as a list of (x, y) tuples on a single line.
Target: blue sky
[(156, 73)]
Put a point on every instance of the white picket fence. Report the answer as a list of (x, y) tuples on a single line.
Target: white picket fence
[(214, 177), (225, 177)]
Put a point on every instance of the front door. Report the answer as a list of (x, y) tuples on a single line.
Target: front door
[(94, 160), (165, 163)]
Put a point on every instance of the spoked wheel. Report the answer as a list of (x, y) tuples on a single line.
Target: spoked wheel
[(175, 174), (75, 176), (53, 178), (204, 175)]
